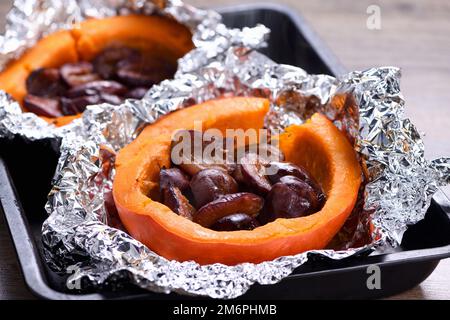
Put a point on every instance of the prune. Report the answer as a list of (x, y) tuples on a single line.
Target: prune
[(105, 63), (303, 188), (173, 177), (77, 105), (209, 184), (234, 222), (77, 85), (237, 174), (97, 88), (144, 71), (136, 93), (276, 170), (228, 204), (111, 99), (253, 169), (45, 82), (75, 74), (41, 106), (289, 198), (177, 202), (188, 153)]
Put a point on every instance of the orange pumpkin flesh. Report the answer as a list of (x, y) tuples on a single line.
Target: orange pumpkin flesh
[(317, 145), (159, 36), (52, 51)]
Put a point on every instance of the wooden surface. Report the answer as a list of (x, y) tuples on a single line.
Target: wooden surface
[(414, 35)]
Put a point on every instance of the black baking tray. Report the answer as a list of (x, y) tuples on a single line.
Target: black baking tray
[(26, 170)]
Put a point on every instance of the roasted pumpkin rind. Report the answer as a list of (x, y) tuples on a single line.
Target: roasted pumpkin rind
[(317, 145), (163, 37)]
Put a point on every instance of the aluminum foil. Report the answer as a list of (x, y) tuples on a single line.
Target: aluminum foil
[(30, 20), (83, 236)]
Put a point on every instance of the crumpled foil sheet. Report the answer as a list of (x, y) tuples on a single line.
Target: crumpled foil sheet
[(30, 20), (367, 106)]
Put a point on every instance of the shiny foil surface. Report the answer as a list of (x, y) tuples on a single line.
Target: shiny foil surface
[(83, 237), (30, 20), (81, 234)]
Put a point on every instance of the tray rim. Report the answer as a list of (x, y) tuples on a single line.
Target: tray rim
[(33, 270)]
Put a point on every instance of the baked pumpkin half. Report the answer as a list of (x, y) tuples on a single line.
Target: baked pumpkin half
[(148, 189), (98, 60)]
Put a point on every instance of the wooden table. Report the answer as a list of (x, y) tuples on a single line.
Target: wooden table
[(414, 35)]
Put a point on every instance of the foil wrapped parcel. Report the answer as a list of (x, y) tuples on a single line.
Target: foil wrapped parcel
[(30, 20), (79, 235), (83, 239)]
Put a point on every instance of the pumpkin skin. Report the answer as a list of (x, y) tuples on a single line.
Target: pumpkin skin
[(317, 145), (158, 36)]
